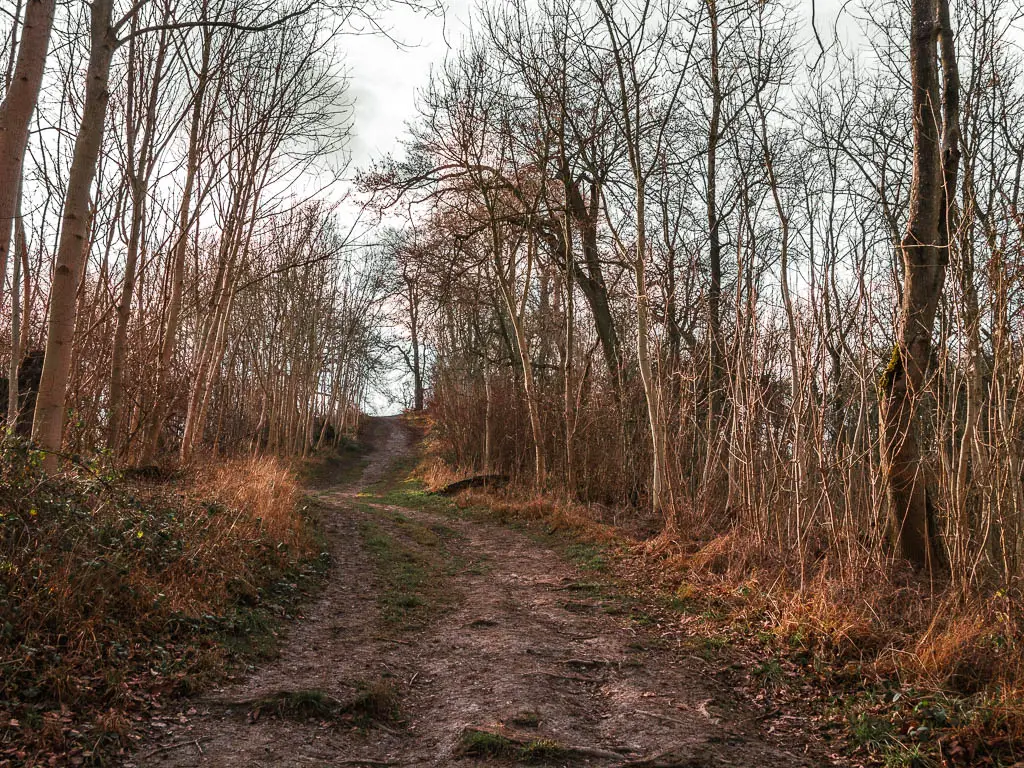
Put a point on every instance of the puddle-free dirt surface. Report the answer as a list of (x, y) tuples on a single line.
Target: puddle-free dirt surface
[(499, 633)]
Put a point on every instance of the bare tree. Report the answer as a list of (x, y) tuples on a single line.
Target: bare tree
[(925, 249), (17, 107)]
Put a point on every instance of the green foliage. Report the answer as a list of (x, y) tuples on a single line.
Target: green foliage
[(871, 732), (769, 673)]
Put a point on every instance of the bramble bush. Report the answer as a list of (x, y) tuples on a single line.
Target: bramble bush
[(116, 592)]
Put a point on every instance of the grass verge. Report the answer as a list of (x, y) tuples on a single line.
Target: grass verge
[(117, 595)]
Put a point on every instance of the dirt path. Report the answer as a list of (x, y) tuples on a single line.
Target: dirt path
[(432, 628)]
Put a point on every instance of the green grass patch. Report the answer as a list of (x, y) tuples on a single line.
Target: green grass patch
[(377, 701), (491, 745), (589, 557), (410, 495), (476, 743), (871, 732), (769, 673), (299, 705), (340, 465), (372, 702), (411, 561)]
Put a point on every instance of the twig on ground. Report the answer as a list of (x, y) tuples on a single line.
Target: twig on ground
[(574, 678), (666, 718), (392, 640), (178, 745)]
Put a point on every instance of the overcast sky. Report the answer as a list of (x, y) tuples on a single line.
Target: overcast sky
[(383, 82), (385, 77)]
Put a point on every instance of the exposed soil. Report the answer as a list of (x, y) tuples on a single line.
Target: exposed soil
[(503, 636)]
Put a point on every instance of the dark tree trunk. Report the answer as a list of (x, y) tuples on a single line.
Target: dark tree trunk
[(925, 251)]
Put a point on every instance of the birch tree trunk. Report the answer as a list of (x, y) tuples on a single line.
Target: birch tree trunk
[(48, 423), (652, 392), (16, 112), (632, 100)]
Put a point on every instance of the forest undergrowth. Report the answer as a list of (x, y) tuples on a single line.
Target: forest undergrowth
[(119, 592), (890, 669)]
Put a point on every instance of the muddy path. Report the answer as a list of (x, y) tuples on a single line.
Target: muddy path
[(440, 640)]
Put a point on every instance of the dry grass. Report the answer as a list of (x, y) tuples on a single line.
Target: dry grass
[(116, 593), (265, 494)]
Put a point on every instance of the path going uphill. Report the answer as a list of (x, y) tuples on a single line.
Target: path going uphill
[(441, 640)]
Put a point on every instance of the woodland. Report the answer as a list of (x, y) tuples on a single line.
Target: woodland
[(731, 283)]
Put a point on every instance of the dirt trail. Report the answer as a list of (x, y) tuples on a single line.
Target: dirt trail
[(519, 638)]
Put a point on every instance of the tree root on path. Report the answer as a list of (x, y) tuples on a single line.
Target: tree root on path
[(673, 758), (573, 678), (499, 743), (178, 745)]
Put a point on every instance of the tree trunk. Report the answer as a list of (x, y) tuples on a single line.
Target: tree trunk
[(20, 246), (716, 394), (652, 392), (139, 172), (123, 312), (170, 337), (488, 415), (592, 282), (516, 310), (16, 112), (417, 362), (48, 424), (925, 257), (568, 402)]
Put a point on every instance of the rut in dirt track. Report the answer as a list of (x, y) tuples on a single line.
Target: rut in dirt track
[(521, 645)]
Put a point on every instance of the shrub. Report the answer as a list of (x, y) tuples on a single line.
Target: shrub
[(115, 592)]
